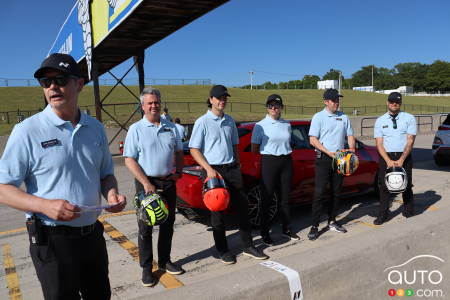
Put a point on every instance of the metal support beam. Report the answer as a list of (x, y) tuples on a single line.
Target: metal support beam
[(139, 63), (98, 102)]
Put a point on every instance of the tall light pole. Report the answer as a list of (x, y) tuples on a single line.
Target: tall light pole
[(251, 79), (373, 88)]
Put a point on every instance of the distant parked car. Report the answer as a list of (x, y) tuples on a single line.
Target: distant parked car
[(441, 143), (189, 195)]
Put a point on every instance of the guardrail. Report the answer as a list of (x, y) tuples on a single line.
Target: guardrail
[(441, 118)]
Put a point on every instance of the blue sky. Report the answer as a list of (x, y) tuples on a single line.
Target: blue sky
[(282, 40)]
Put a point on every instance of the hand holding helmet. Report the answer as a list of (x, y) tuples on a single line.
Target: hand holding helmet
[(215, 194), (345, 162), (396, 180), (150, 208)]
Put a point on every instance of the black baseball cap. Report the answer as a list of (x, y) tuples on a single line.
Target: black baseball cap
[(218, 91), (274, 98), (395, 97), (60, 62), (331, 94)]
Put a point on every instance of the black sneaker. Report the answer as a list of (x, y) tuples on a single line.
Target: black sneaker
[(313, 233), (267, 239), (228, 258), (255, 253), (291, 235), (171, 268), (147, 278), (380, 220), (336, 227)]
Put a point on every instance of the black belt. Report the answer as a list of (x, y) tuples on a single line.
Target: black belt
[(225, 166), (164, 178), (69, 230)]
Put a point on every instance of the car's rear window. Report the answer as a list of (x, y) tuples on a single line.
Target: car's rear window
[(243, 131)]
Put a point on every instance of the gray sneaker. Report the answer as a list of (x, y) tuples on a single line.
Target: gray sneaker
[(336, 227)]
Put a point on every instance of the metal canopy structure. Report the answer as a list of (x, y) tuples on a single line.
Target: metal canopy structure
[(102, 34), (151, 22)]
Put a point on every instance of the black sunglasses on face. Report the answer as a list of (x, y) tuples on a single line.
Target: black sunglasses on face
[(59, 80), (273, 105)]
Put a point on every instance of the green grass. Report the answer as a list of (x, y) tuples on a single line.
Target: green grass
[(31, 98)]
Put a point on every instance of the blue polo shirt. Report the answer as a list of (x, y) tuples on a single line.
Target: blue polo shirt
[(153, 147), (394, 140), (215, 138), (331, 129), (58, 161), (273, 136)]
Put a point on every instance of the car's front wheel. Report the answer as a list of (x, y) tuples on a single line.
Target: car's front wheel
[(254, 196), (439, 160)]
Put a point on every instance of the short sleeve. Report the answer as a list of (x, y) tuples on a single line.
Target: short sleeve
[(15, 162), (197, 137), (412, 127), (349, 128), (257, 135), (314, 129), (235, 135), (377, 132), (130, 148), (107, 167), (178, 142)]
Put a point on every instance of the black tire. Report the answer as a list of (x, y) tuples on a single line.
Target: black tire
[(440, 161), (254, 206)]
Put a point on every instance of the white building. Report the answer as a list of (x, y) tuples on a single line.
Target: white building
[(401, 89), (327, 84), (363, 88)]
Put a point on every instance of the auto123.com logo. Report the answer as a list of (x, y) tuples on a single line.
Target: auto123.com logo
[(419, 276)]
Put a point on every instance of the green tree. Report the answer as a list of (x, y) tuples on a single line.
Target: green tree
[(412, 74), (438, 77), (385, 79), (332, 75), (310, 81), (363, 77)]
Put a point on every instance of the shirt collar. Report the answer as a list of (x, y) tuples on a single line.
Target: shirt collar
[(273, 121), (336, 114), (211, 115), (162, 122), (57, 121)]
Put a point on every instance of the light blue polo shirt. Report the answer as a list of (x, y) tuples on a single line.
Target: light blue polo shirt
[(58, 161), (152, 146), (394, 140), (181, 130), (273, 136), (215, 138), (331, 129)]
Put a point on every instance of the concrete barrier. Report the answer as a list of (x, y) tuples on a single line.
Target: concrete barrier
[(352, 268)]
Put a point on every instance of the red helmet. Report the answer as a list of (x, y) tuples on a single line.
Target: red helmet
[(215, 194)]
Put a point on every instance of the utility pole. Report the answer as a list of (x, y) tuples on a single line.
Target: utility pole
[(340, 81), (373, 88), (251, 79)]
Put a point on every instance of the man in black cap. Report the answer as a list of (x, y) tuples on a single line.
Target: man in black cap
[(62, 156), (213, 145), (327, 134), (395, 132)]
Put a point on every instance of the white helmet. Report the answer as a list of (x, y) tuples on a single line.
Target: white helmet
[(396, 179)]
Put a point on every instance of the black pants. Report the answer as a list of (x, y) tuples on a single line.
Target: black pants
[(385, 195), (233, 179), (276, 174), (165, 229), (70, 265), (326, 175)]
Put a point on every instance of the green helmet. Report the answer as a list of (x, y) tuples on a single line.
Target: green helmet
[(150, 208)]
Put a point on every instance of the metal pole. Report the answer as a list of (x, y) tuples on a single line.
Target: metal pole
[(251, 79), (98, 103), (373, 88)]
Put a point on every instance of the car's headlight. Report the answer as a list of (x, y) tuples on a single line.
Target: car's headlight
[(437, 141)]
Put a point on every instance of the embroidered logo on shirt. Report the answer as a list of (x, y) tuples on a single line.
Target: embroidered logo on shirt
[(338, 119), (50, 143), (167, 129), (385, 126)]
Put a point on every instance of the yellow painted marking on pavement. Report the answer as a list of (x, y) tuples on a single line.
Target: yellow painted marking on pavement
[(13, 231), (167, 280), (366, 224), (432, 208), (11, 275)]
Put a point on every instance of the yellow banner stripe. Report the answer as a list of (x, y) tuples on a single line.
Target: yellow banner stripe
[(167, 280), (11, 275)]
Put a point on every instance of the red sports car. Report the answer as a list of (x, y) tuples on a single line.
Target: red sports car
[(189, 195)]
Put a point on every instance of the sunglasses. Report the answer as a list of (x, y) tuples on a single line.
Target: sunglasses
[(393, 102), (273, 105), (59, 80)]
